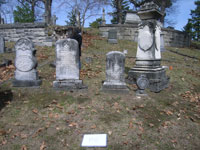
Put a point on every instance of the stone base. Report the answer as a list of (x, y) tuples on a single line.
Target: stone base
[(69, 84), (110, 87), (27, 83), (156, 76), (112, 41)]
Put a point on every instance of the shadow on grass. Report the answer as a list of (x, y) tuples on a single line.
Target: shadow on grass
[(5, 97)]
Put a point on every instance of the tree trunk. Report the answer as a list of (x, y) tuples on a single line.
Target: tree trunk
[(33, 9), (48, 4), (162, 19)]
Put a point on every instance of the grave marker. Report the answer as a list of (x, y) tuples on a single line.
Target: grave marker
[(26, 74)]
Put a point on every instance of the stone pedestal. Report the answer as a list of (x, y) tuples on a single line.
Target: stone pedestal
[(26, 74), (67, 65), (115, 73), (148, 57)]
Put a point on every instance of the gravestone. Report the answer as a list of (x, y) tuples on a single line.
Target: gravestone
[(148, 57), (26, 74), (112, 36), (162, 43), (132, 18), (67, 65), (115, 81), (2, 45)]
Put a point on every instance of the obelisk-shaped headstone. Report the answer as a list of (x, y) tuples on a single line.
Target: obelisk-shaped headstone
[(115, 81), (26, 74)]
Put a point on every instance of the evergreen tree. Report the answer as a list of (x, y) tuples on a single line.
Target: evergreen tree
[(120, 6), (71, 19), (23, 14), (193, 25), (96, 23)]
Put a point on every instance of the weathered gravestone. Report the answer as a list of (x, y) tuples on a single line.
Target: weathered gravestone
[(26, 74), (115, 81), (2, 45), (162, 43), (112, 36), (148, 57), (67, 65)]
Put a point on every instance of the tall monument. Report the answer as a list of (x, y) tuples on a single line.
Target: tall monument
[(148, 57)]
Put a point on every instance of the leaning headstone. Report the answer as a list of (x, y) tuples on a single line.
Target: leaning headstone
[(2, 45), (26, 74), (112, 36), (115, 81), (67, 65)]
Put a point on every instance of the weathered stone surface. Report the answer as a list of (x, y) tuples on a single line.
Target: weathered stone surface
[(148, 57), (2, 45), (25, 62), (112, 36), (37, 32), (173, 38), (67, 65), (115, 73), (132, 18)]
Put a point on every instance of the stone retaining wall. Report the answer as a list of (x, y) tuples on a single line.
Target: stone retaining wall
[(173, 38), (37, 32)]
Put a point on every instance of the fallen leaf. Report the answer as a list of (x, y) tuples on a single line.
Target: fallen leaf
[(151, 125), (73, 124), (37, 132), (60, 107), (130, 125), (35, 111), (24, 136), (93, 126), (43, 146), (24, 147), (109, 132), (141, 129)]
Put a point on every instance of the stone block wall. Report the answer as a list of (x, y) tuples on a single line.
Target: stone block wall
[(172, 38), (37, 32)]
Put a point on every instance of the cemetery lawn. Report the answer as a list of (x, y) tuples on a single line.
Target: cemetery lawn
[(46, 119)]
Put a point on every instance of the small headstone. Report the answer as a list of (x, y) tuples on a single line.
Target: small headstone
[(112, 36), (115, 81), (162, 43), (2, 45), (26, 74), (67, 65), (142, 83)]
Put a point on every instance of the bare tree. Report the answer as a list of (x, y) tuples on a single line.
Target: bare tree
[(86, 8)]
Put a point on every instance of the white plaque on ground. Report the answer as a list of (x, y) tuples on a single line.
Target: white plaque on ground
[(94, 140)]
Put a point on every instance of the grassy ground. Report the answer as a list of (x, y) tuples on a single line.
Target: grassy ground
[(43, 118)]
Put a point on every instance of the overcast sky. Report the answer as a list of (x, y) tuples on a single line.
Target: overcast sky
[(180, 16)]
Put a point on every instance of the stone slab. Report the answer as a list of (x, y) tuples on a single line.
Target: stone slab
[(69, 84), (26, 83)]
